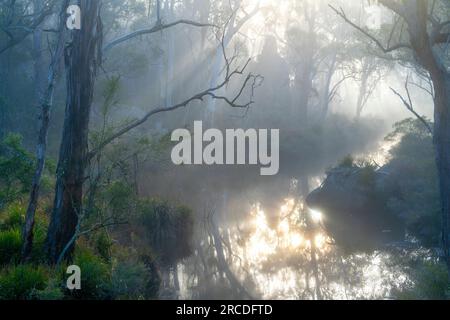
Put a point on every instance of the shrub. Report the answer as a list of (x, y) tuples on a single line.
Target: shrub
[(40, 234), (168, 229), (129, 280), (18, 282), (53, 291), (10, 246), (11, 222), (347, 162), (367, 176), (12, 216), (119, 197), (103, 246), (429, 281), (95, 276), (153, 277), (16, 169), (134, 273)]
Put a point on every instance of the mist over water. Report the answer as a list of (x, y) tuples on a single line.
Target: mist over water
[(348, 164)]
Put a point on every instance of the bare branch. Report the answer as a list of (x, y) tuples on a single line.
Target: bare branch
[(27, 27), (336, 86), (387, 49), (251, 82), (409, 106), (157, 27), (395, 6)]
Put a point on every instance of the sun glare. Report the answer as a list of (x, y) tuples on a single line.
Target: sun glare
[(277, 255), (316, 216)]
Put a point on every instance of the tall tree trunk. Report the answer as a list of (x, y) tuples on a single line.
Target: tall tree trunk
[(442, 147), (44, 94), (38, 57), (81, 60), (417, 18), (304, 79), (362, 91), (327, 92)]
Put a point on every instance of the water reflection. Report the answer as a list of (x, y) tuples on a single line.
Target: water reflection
[(287, 255)]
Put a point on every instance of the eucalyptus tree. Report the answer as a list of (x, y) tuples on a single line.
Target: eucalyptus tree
[(20, 19), (82, 60), (45, 97), (424, 33)]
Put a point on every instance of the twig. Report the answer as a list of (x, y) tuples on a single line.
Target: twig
[(409, 106), (387, 49)]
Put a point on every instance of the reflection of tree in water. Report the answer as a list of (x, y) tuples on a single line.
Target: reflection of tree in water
[(291, 257), (288, 255)]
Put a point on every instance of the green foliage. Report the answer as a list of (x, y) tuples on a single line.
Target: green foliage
[(168, 229), (367, 171), (367, 176), (19, 282), (409, 126), (134, 280), (103, 246), (129, 280), (414, 161), (119, 196), (10, 245), (347, 162), (109, 95), (38, 253), (429, 281), (16, 169), (12, 216), (110, 90), (53, 291), (410, 186), (153, 281), (95, 276)]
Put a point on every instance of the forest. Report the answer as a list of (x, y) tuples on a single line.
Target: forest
[(224, 150)]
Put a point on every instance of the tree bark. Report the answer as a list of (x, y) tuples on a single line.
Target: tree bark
[(81, 59), (304, 77), (416, 15), (362, 90), (421, 42), (45, 97), (327, 92), (442, 147)]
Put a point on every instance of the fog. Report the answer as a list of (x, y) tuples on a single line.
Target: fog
[(296, 66)]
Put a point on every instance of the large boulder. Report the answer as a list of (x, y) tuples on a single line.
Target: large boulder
[(356, 206)]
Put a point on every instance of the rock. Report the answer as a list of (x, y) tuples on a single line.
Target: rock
[(355, 205)]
